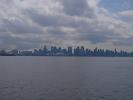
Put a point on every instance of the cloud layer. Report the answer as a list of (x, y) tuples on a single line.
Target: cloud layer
[(27, 24)]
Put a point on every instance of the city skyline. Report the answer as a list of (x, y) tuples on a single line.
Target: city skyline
[(28, 24), (68, 52)]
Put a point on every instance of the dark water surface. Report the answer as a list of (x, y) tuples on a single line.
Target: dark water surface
[(64, 78)]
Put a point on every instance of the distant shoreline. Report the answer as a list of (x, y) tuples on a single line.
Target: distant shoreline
[(76, 56), (67, 52)]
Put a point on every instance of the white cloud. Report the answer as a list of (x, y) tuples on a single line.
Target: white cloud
[(128, 13), (93, 3), (62, 22)]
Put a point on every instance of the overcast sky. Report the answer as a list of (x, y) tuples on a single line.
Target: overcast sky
[(27, 24)]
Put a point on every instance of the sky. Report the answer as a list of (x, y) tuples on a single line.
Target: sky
[(28, 24)]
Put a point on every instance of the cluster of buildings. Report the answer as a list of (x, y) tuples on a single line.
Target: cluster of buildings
[(70, 51)]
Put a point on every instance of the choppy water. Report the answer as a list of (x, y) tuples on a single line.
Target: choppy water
[(64, 78)]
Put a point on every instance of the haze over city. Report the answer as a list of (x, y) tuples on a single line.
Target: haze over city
[(29, 24)]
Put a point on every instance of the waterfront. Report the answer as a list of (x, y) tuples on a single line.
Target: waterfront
[(66, 78)]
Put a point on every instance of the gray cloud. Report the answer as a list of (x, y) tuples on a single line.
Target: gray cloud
[(75, 7), (124, 42), (19, 27), (8, 41), (42, 19), (29, 24)]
